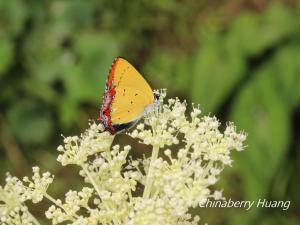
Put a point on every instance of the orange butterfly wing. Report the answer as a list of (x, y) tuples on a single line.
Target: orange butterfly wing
[(127, 95)]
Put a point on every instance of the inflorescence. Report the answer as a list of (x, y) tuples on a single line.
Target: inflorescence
[(188, 155)]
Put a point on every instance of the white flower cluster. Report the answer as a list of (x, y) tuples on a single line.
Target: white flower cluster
[(16, 192), (156, 211), (188, 155), (76, 150), (68, 211), (182, 178)]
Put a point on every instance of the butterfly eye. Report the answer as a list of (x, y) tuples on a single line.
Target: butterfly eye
[(156, 96)]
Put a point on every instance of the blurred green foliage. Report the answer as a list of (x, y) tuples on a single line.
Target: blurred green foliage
[(238, 59)]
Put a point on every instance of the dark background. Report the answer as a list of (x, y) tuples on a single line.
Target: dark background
[(240, 60)]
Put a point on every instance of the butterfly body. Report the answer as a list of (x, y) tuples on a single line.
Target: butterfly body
[(126, 99)]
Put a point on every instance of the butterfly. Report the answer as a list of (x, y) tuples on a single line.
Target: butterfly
[(127, 97)]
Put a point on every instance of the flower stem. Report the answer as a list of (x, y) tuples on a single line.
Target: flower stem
[(91, 179), (35, 221), (73, 218), (149, 179), (85, 169)]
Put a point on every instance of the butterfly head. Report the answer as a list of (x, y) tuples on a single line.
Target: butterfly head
[(157, 97)]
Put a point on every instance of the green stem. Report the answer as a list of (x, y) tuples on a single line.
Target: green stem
[(35, 221), (149, 179), (95, 186), (91, 179), (55, 202)]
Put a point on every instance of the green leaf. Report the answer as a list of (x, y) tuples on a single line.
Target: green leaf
[(265, 218), (221, 61), (85, 80), (6, 55), (168, 69), (45, 57), (31, 123), (69, 112), (84, 85), (97, 47), (216, 71), (39, 90), (286, 69), (12, 16), (251, 33), (79, 14), (261, 112)]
